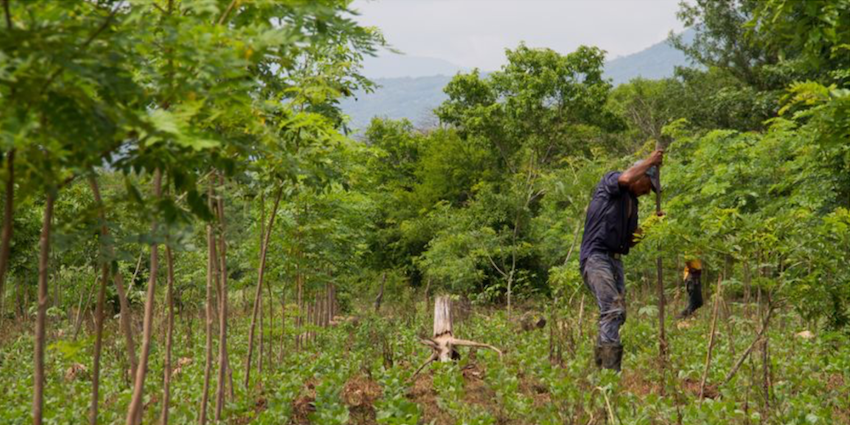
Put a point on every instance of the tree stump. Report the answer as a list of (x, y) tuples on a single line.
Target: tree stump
[(443, 342)]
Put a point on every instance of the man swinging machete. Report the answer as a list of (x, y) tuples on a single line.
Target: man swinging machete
[(610, 230)]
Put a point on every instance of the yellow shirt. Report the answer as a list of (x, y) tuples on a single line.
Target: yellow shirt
[(691, 265)]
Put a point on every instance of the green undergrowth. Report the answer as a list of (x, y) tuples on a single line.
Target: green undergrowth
[(362, 373)]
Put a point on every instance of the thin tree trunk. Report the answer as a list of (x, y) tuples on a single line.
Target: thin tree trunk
[(308, 319), (262, 238), (222, 302), (282, 323), (19, 296), (260, 352), (329, 291), (134, 413), (299, 319), (730, 330), (323, 308), (53, 277), (8, 211), (428, 297), (335, 303), (766, 368), (662, 338), (259, 292), (510, 288), (323, 316), (78, 322), (747, 287), (317, 315), (136, 271), (209, 316), (270, 344), (43, 259), (126, 315), (169, 300), (380, 296), (312, 321), (98, 342), (320, 310), (717, 295), (25, 305)]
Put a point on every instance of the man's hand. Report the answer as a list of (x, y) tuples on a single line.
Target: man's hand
[(656, 157), (636, 237), (638, 171)]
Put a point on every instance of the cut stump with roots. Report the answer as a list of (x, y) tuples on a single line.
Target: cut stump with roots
[(443, 342)]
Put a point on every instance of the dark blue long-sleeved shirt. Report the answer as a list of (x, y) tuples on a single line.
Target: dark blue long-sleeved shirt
[(612, 219)]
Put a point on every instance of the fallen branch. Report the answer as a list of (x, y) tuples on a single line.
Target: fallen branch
[(427, 362)]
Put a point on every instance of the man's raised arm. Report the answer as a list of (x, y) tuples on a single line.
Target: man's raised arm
[(636, 172)]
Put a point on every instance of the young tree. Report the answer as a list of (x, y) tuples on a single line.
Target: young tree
[(540, 108)]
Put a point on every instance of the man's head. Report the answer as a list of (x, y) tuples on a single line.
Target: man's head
[(649, 181)]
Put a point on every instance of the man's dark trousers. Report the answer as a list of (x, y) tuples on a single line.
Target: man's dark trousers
[(603, 275)]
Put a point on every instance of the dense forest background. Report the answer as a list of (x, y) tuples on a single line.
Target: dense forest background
[(183, 206)]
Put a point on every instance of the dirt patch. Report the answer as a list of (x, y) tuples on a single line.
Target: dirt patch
[(637, 384), (360, 394), (422, 393), (476, 390), (76, 370), (476, 393), (692, 386), (260, 405), (472, 371), (535, 390), (835, 382), (304, 405)]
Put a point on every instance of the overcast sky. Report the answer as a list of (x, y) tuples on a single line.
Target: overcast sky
[(474, 33)]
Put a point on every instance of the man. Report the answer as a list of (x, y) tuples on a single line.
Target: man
[(693, 270), (610, 229)]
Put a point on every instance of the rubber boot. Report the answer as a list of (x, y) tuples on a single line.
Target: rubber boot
[(610, 356)]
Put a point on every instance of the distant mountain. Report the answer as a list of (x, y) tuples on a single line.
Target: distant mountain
[(396, 98), (411, 87), (400, 66), (657, 61)]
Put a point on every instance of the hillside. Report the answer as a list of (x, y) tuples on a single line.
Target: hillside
[(654, 62), (415, 97)]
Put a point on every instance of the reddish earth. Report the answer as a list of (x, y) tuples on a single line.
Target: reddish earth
[(360, 394), (302, 406)]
